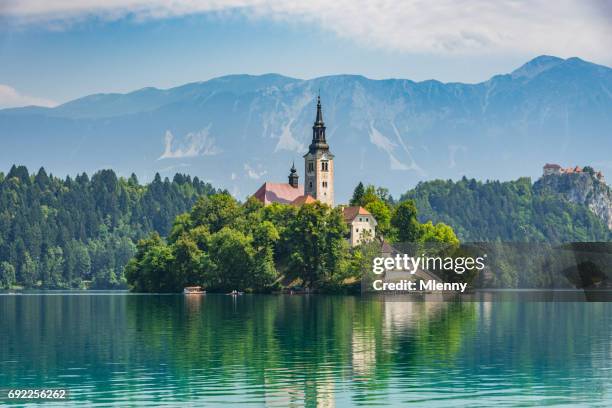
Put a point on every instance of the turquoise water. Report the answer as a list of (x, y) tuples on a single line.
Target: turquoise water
[(122, 349)]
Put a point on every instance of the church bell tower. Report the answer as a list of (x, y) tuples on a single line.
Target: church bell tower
[(319, 163)]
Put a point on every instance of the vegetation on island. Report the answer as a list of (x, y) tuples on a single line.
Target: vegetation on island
[(223, 245)]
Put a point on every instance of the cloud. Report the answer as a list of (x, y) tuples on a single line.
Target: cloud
[(194, 144), (11, 98), (253, 173), (562, 27)]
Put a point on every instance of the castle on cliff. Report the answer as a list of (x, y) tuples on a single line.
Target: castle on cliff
[(554, 169)]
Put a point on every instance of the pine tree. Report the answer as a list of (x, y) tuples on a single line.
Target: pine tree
[(358, 194)]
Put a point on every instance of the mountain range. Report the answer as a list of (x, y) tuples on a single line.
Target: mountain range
[(238, 131)]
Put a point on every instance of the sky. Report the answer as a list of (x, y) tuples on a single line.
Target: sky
[(55, 51)]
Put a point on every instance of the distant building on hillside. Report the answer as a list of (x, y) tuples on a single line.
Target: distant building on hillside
[(550, 169), (554, 169)]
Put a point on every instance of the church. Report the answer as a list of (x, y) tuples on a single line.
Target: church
[(318, 169), (318, 185)]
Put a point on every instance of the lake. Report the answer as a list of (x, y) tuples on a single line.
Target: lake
[(265, 350)]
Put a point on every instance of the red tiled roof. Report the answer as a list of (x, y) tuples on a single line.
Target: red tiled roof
[(351, 212), (304, 199), (282, 193), (551, 166)]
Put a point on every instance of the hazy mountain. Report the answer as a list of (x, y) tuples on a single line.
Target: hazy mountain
[(237, 131)]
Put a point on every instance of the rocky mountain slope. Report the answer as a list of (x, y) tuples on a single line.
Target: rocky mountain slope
[(580, 188), (240, 130)]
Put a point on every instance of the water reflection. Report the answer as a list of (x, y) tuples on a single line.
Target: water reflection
[(306, 350)]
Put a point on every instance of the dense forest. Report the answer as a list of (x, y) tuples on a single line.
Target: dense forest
[(510, 211), (81, 232)]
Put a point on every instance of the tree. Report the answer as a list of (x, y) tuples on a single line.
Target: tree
[(265, 237), (369, 196), (146, 271), (358, 195), (7, 275), (53, 266), (438, 234), (382, 214), (317, 243), (29, 271), (404, 220), (190, 264), (383, 194), (215, 212), (232, 255)]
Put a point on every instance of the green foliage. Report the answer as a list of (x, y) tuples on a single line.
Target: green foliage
[(225, 246), (358, 193), (316, 237), (405, 224), (28, 271), (7, 275), (215, 212), (64, 233), (233, 256), (378, 202), (381, 211), (437, 234), (588, 169), (510, 211)]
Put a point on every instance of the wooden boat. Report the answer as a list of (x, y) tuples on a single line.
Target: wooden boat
[(194, 290)]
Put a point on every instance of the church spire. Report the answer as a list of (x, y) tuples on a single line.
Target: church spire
[(319, 119), (319, 163), (318, 131), (293, 177)]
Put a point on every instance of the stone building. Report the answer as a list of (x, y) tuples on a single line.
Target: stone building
[(554, 169), (283, 193), (319, 164), (550, 169), (318, 185), (319, 170), (362, 224)]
